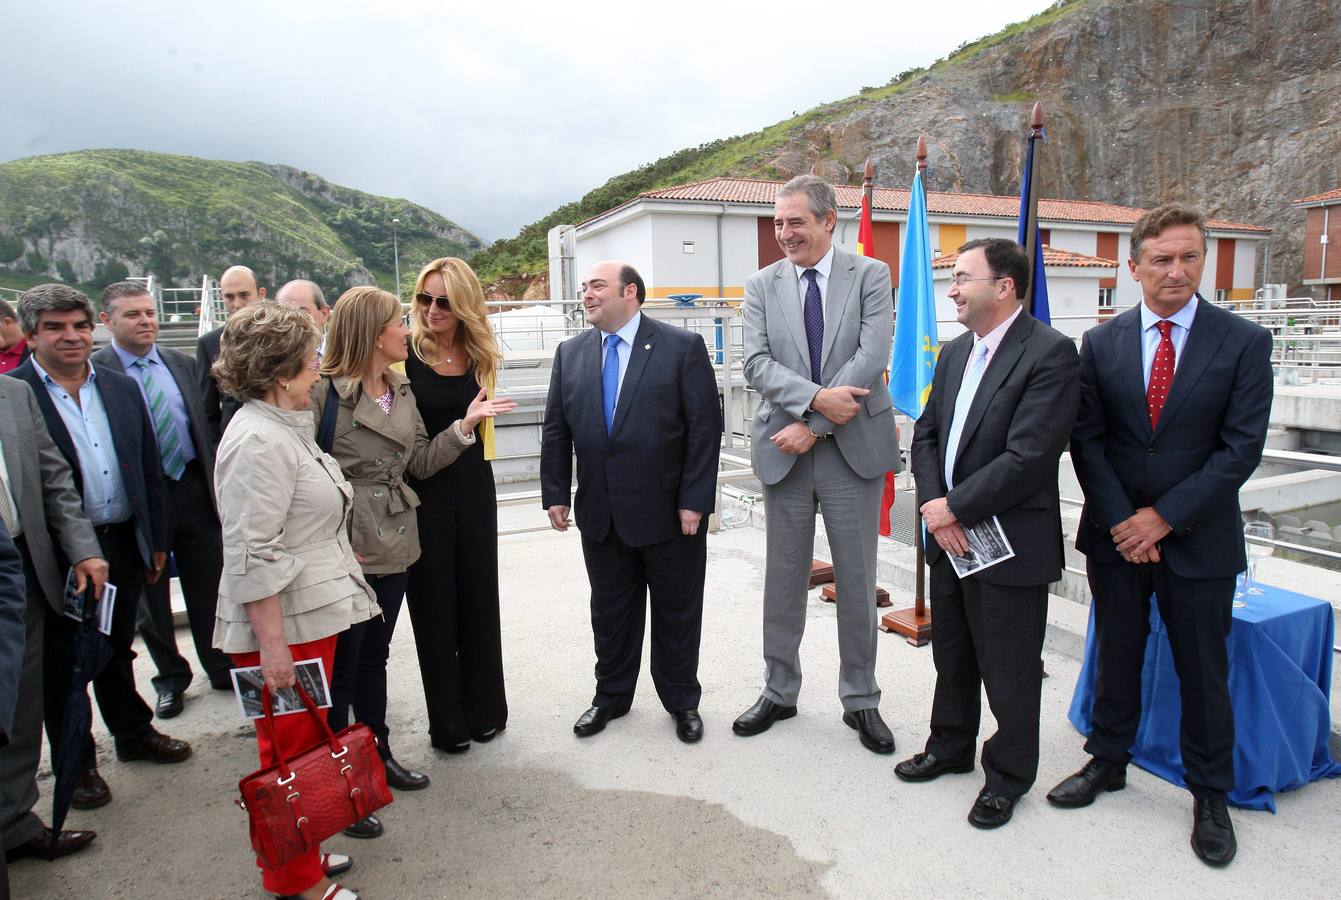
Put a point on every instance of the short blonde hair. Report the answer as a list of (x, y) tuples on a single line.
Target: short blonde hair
[(359, 317), (467, 298), (262, 344)]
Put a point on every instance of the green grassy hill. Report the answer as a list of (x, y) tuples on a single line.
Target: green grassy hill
[(93, 216)]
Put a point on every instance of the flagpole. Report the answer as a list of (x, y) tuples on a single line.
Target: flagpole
[(1031, 205)]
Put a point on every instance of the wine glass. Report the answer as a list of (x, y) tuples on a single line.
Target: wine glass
[(1257, 552)]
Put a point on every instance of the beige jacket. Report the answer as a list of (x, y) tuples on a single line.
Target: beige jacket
[(374, 451), (284, 506)]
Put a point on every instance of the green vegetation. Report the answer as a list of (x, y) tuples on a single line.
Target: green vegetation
[(178, 217), (744, 156)]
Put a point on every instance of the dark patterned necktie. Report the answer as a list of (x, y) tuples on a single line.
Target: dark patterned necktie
[(814, 316), (1161, 374)]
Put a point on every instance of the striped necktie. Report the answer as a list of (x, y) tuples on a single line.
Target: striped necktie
[(169, 444), (7, 512)]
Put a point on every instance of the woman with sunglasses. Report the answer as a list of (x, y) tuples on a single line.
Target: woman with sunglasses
[(453, 589), (378, 436)]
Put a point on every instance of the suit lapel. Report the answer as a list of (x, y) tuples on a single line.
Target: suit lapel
[(1005, 358), (10, 437), (642, 348), (788, 289), (1131, 374), (953, 357), (55, 424), (119, 417), (1204, 338), (589, 362), (842, 278)]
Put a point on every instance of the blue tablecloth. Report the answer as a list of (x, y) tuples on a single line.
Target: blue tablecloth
[(1280, 677)]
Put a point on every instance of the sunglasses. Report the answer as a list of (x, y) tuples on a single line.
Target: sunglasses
[(426, 299)]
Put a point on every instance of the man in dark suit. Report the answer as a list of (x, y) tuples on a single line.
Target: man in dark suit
[(99, 423), (1175, 400), (50, 531), (168, 386), (13, 345), (818, 325), (237, 287), (986, 447), (637, 400)]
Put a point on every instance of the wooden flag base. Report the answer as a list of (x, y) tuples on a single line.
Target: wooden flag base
[(915, 629), (829, 594), (821, 572)]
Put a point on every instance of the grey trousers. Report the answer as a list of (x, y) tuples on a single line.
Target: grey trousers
[(850, 505), (19, 759)]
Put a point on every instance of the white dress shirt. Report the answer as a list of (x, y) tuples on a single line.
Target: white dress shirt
[(822, 269), (625, 349), (1182, 324)]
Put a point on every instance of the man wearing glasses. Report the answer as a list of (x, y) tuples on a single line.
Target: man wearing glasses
[(985, 451)]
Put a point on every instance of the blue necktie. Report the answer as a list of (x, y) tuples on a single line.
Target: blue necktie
[(814, 316), (972, 378), (610, 379)]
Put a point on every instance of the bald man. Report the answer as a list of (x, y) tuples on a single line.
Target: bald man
[(307, 296), (237, 286)]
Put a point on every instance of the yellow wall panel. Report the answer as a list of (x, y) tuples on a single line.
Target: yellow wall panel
[(950, 238)]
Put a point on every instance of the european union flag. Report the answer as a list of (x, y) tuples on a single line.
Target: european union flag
[(1037, 301), (916, 343)]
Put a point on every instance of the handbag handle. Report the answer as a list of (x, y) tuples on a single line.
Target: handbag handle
[(276, 755)]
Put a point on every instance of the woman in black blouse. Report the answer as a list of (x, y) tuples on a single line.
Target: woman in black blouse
[(453, 589)]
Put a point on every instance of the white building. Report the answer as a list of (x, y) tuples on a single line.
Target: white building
[(708, 237)]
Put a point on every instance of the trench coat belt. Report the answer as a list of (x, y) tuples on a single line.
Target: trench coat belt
[(400, 496)]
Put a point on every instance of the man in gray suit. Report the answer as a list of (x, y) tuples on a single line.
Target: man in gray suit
[(45, 506), (1003, 399), (817, 333), (168, 380)]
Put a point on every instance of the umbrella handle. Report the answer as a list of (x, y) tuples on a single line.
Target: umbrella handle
[(276, 755)]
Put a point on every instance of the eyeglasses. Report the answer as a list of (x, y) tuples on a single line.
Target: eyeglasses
[(959, 279), (426, 299)]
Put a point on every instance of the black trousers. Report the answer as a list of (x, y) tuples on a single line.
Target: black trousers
[(453, 601), (361, 653), (1197, 613), (988, 636), (197, 551), (622, 577), (127, 716)]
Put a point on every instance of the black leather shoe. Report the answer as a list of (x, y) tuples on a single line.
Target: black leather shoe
[(401, 778), (170, 703), (688, 725), (156, 747), (925, 767), (90, 791), (875, 734), (370, 827), (1081, 788), (593, 721), (760, 717), (488, 734), (991, 810), (49, 846), (1212, 831)]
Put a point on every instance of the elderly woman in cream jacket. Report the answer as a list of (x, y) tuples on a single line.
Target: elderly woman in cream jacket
[(291, 583)]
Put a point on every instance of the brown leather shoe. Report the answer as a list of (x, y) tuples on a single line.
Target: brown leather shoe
[(90, 791), (51, 846), (156, 747)]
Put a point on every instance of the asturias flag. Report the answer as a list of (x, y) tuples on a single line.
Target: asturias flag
[(1038, 301), (916, 342)]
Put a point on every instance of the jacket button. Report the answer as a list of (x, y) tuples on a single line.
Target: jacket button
[(377, 492), (1149, 451), (378, 461), (356, 425), (399, 454), (379, 532), (400, 530)]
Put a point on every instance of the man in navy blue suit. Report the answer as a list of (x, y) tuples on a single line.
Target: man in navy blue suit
[(1175, 397), (98, 421), (637, 400)]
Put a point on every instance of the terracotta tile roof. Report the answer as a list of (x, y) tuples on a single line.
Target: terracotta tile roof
[(1321, 198), (749, 190), (1051, 257)]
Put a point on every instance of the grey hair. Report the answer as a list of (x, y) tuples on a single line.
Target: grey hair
[(317, 296), (823, 200), (50, 298)]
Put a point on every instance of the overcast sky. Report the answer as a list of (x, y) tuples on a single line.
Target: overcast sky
[(491, 113)]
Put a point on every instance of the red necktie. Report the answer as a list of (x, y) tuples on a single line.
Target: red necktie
[(1161, 374)]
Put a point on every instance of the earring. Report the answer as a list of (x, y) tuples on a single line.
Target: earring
[(284, 385), (379, 345)]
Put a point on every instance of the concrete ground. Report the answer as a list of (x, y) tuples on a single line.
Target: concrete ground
[(802, 810)]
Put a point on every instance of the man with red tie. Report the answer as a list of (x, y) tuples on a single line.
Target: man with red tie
[(1175, 399)]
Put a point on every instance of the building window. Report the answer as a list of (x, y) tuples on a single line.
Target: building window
[(687, 246), (1221, 295), (1106, 298)]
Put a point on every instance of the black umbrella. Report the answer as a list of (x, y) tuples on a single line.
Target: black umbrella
[(91, 652)]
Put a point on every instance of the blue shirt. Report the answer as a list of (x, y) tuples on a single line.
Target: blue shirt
[(105, 501), (1182, 324), (625, 350), (162, 375)]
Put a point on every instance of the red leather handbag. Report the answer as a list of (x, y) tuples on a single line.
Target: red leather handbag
[(296, 804)]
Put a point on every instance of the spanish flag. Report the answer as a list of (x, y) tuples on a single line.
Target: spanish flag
[(866, 247)]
